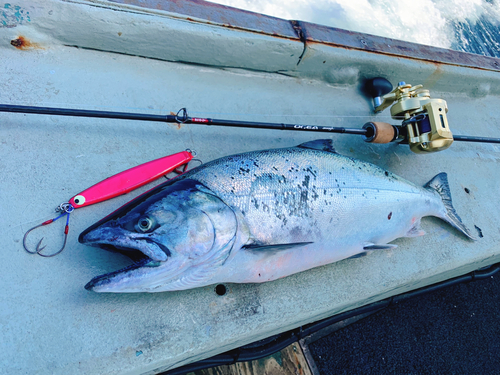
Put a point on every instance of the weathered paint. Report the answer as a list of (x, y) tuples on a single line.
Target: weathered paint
[(313, 33), (12, 15), (199, 10)]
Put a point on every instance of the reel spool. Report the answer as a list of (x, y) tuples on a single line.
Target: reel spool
[(424, 119)]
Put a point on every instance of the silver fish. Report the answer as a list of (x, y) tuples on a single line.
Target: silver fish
[(263, 215)]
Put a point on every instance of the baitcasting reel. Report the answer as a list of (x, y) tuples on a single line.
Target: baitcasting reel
[(425, 125)]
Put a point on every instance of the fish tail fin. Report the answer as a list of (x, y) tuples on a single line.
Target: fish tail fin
[(440, 185)]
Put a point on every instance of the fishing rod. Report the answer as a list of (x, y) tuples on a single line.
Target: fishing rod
[(424, 127), (181, 118)]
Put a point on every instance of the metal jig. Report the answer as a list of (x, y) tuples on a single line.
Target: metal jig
[(66, 209), (118, 184)]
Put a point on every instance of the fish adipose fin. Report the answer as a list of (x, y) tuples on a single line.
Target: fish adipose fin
[(440, 185), (319, 144), (279, 247)]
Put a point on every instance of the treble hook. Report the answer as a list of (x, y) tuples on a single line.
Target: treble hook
[(66, 209)]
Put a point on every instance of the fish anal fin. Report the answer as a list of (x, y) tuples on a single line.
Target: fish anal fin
[(274, 248), (373, 246), (319, 144), (415, 230)]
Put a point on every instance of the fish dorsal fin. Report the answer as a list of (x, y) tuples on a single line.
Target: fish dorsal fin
[(319, 144), (274, 248)]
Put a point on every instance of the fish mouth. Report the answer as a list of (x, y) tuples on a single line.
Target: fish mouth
[(146, 253), (107, 279)]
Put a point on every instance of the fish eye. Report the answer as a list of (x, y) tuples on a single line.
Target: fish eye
[(145, 224)]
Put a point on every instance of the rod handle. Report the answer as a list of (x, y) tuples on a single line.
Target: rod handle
[(379, 132)]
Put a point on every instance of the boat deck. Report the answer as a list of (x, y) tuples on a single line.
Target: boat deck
[(109, 56)]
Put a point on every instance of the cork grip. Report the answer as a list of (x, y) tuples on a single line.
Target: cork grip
[(379, 132)]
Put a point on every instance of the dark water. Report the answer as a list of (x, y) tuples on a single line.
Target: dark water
[(482, 37), (451, 331)]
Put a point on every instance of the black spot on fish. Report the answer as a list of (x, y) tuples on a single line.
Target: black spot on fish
[(479, 231), (311, 171), (303, 197), (305, 183), (256, 204), (255, 163)]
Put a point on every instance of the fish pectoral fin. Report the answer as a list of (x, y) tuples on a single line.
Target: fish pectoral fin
[(319, 144), (371, 246), (277, 247)]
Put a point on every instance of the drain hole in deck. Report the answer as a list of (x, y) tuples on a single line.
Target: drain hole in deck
[(220, 290)]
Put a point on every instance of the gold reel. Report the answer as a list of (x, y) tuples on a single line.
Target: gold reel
[(424, 118)]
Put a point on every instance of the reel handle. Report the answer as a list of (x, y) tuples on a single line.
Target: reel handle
[(378, 87)]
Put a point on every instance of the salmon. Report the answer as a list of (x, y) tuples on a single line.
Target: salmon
[(263, 215)]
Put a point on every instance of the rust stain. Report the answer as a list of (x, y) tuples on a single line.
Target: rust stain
[(433, 79), (23, 43), (178, 125)]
